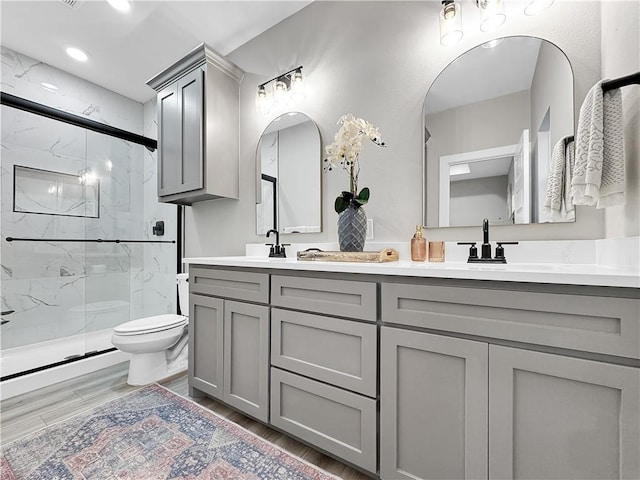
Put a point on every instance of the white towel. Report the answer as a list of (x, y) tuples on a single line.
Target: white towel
[(558, 202), (598, 177)]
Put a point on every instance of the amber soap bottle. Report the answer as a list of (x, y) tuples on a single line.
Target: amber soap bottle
[(418, 246)]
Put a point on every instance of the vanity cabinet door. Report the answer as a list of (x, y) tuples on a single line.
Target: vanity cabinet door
[(558, 417), (433, 406), (246, 358), (205, 345), (180, 138)]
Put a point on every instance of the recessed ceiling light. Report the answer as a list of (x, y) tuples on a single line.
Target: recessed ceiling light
[(48, 86), (120, 5), (459, 169), (77, 54)]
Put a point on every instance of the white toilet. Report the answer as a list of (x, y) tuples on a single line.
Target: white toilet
[(158, 345)]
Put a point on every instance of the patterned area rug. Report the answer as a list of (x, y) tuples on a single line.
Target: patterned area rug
[(150, 434)]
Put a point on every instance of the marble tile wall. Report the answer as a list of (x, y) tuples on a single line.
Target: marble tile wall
[(60, 289)]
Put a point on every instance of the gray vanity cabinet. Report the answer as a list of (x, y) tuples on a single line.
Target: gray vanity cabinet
[(246, 358), (553, 416), (229, 339), (324, 368), (198, 137), (433, 408), (206, 337), (520, 404)]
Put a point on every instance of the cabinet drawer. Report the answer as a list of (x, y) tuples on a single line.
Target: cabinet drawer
[(604, 325), (337, 421), (340, 352), (334, 297), (248, 286)]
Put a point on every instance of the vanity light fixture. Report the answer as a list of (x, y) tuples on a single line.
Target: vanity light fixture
[(450, 23), (491, 14), (281, 91), (77, 54), (534, 7)]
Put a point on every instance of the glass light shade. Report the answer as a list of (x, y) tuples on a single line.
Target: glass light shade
[(534, 7), (297, 87), (450, 24), (491, 14), (281, 97), (263, 102)]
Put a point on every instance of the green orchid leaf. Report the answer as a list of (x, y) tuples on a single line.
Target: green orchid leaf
[(363, 196), (341, 204)]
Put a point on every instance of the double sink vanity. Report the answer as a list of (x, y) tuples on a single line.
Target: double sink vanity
[(408, 370)]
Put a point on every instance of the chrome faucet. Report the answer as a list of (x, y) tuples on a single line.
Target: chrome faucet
[(276, 249), (486, 248)]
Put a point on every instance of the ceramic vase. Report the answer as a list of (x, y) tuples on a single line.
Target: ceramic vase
[(352, 229)]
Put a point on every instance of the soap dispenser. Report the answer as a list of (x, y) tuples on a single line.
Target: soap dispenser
[(418, 246)]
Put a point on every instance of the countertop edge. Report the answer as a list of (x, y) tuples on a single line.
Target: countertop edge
[(588, 275)]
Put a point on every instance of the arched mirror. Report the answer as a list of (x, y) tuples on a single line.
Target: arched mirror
[(492, 118), (288, 162)]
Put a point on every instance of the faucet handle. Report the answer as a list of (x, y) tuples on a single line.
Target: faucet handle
[(473, 250), (500, 250)]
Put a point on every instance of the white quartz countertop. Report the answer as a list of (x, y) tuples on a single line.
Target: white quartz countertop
[(571, 274)]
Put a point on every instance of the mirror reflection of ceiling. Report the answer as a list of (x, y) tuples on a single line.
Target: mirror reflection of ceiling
[(451, 88), (492, 118)]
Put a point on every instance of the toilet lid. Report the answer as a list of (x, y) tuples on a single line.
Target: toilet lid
[(151, 324)]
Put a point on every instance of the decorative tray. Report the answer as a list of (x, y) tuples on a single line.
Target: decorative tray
[(315, 254)]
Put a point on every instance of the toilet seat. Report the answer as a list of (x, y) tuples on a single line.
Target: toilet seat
[(156, 323)]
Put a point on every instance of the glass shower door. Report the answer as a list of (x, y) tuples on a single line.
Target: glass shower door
[(42, 279)]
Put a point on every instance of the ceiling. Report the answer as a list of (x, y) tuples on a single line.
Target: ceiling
[(127, 49)]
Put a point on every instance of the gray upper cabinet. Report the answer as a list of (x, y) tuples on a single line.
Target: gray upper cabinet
[(198, 137)]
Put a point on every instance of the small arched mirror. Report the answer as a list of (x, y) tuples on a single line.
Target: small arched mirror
[(288, 164), (492, 118)]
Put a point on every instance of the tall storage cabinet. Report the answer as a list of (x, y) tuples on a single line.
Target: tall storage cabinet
[(198, 139)]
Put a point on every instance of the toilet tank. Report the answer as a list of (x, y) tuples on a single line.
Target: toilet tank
[(183, 293)]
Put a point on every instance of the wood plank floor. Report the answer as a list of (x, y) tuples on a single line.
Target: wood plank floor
[(32, 411)]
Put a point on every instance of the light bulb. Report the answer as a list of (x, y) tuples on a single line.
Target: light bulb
[(297, 87)]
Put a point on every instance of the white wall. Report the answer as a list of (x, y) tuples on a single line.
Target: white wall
[(550, 90), (621, 56), (377, 60), (479, 198)]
